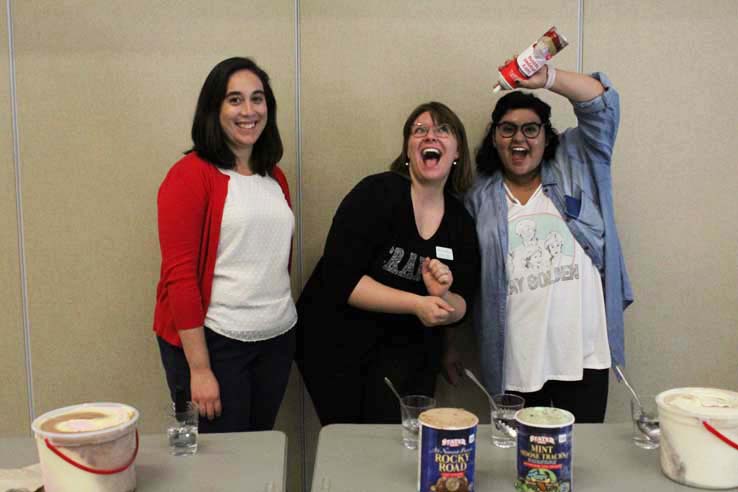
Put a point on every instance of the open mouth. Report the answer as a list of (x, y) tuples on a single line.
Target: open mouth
[(431, 155), (248, 125), (519, 152)]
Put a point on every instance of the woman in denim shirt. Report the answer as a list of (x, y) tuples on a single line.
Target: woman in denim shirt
[(549, 317)]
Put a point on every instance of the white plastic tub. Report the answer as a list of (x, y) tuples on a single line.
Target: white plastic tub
[(699, 436), (88, 447)]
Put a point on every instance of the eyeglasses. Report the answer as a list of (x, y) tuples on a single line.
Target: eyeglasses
[(529, 130), (441, 131)]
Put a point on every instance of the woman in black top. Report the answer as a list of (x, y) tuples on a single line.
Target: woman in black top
[(400, 263)]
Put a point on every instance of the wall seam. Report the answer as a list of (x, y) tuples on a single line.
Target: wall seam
[(580, 45), (19, 211), (299, 233)]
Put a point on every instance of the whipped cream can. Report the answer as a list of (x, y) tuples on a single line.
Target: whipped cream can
[(531, 59)]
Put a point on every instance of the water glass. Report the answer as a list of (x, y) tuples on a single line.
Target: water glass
[(504, 433), (182, 429), (411, 407), (646, 432)]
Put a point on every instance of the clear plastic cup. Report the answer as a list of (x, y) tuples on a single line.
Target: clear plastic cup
[(645, 418), (504, 427), (411, 407), (182, 429)]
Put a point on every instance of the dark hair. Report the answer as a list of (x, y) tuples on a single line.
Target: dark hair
[(462, 174), (487, 158), (208, 138)]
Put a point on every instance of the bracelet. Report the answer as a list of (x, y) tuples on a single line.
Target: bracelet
[(550, 77)]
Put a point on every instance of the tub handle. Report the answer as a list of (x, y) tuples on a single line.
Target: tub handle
[(719, 435), (69, 460)]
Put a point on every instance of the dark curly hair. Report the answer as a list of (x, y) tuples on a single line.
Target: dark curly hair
[(208, 138), (487, 158)]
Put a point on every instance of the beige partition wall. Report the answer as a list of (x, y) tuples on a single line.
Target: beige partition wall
[(676, 180), (106, 92), (367, 65), (13, 390)]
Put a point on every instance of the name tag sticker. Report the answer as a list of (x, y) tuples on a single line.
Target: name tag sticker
[(444, 253)]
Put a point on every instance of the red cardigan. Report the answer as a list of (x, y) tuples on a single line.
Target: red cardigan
[(190, 205)]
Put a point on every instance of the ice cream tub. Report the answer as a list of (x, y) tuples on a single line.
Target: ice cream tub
[(447, 450), (544, 450), (88, 447), (699, 436)]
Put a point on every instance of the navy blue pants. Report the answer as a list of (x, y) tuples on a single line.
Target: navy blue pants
[(252, 377), (586, 399)]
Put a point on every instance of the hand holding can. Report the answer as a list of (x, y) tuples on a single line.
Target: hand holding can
[(531, 60)]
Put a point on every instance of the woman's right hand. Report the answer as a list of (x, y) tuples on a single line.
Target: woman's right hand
[(433, 311), (204, 387), (205, 392)]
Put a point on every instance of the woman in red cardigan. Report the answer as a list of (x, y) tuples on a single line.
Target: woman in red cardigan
[(224, 309)]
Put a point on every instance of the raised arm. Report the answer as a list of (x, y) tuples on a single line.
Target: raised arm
[(574, 86), (596, 105)]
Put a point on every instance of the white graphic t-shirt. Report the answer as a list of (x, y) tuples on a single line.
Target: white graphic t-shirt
[(556, 323)]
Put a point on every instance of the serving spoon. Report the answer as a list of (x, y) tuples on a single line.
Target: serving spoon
[(624, 380), (471, 376), (645, 424), (500, 424), (392, 387)]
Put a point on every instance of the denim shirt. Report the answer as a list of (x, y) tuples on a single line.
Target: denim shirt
[(579, 183)]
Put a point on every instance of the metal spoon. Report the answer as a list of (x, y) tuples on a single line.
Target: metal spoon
[(392, 387), (500, 424), (624, 380), (471, 376), (646, 424)]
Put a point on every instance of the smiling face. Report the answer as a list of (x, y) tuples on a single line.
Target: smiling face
[(521, 156), (430, 156), (243, 113)]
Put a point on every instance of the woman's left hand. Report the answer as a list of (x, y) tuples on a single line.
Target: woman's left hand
[(437, 277)]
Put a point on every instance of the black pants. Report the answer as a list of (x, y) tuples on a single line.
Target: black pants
[(355, 392), (252, 377), (586, 399)]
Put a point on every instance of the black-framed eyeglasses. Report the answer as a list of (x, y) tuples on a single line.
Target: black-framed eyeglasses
[(529, 130), (441, 131)]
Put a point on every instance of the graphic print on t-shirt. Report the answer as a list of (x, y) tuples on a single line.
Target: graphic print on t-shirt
[(541, 253), (410, 270)]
